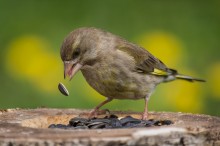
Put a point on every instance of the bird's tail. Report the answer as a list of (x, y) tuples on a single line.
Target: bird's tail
[(173, 74), (188, 78)]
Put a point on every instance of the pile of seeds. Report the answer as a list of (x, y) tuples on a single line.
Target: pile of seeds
[(110, 122)]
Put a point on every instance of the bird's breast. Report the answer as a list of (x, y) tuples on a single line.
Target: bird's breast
[(117, 80)]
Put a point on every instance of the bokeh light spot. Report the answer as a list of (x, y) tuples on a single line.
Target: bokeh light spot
[(181, 95), (165, 46), (184, 96), (29, 57), (214, 79)]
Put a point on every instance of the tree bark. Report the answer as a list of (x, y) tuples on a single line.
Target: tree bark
[(29, 127)]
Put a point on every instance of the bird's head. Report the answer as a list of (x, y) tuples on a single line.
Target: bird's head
[(79, 48)]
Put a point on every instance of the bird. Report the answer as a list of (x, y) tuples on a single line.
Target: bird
[(115, 67)]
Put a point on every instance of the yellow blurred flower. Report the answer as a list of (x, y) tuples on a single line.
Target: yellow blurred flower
[(214, 79), (29, 57), (164, 46), (180, 95), (184, 96)]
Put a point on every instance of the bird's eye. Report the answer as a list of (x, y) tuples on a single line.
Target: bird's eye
[(76, 53)]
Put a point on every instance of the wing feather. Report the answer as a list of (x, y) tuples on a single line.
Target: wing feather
[(145, 61)]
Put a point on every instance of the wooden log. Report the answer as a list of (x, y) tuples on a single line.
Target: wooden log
[(30, 127)]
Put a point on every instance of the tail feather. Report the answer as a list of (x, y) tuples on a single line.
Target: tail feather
[(172, 74), (188, 78)]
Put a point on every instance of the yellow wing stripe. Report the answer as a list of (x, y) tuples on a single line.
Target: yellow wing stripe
[(159, 72)]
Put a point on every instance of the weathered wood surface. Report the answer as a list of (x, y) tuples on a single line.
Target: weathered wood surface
[(29, 127)]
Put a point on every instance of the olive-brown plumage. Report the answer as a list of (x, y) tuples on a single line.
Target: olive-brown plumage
[(114, 67)]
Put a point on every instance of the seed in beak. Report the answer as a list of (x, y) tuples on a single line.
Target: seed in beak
[(63, 89)]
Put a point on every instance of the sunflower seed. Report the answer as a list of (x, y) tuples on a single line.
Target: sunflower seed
[(63, 89), (110, 123)]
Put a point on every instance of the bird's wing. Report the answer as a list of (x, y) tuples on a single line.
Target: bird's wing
[(145, 61)]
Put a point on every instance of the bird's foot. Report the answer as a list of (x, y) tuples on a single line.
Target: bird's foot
[(96, 112), (144, 116)]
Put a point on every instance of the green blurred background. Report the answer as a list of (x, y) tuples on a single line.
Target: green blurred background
[(184, 34)]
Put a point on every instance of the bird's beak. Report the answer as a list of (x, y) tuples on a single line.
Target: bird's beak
[(71, 68)]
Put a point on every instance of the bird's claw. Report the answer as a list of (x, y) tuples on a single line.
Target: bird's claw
[(144, 116), (96, 112)]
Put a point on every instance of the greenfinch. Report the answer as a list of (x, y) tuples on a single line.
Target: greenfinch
[(114, 67)]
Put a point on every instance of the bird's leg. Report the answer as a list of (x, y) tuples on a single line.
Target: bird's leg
[(95, 110), (145, 114)]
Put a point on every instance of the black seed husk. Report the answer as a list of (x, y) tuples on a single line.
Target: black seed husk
[(63, 89), (110, 122)]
